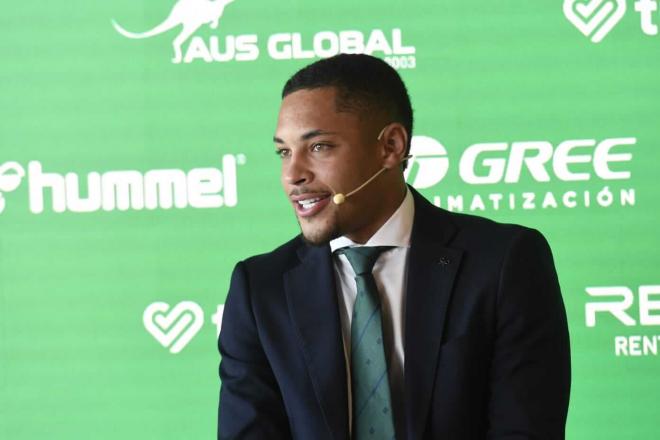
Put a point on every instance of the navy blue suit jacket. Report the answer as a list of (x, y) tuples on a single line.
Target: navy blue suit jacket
[(486, 339)]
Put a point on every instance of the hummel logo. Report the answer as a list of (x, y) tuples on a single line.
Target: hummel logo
[(594, 18), (11, 174)]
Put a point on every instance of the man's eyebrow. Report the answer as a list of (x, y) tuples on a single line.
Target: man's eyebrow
[(314, 133), (306, 136)]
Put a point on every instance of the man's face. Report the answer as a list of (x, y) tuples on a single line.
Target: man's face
[(324, 152)]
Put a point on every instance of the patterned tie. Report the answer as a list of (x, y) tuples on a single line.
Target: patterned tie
[(372, 409)]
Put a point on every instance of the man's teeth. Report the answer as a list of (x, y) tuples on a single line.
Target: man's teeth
[(308, 203)]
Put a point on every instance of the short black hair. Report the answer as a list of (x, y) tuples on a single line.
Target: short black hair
[(364, 83)]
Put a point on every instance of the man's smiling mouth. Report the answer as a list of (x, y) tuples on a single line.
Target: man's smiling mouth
[(307, 205)]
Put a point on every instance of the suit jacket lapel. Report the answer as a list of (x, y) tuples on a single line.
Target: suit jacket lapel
[(432, 268), (313, 305)]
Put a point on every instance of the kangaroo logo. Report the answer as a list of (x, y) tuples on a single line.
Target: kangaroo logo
[(11, 174), (594, 18), (191, 14)]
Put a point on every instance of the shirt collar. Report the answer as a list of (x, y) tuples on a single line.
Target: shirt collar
[(394, 232)]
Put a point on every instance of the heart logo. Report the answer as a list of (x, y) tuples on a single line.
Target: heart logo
[(175, 327), (594, 18)]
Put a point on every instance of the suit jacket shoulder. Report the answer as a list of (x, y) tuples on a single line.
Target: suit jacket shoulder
[(471, 234)]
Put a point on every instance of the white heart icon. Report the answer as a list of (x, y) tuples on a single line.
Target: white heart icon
[(176, 327), (594, 18)]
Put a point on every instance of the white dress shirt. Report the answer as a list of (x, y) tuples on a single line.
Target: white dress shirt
[(390, 273)]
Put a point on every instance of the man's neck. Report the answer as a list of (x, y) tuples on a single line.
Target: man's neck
[(403, 220), (363, 236)]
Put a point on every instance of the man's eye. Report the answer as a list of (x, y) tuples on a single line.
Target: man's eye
[(282, 152), (320, 147)]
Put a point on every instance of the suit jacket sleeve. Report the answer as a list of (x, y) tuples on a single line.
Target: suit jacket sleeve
[(251, 405), (530, 375)]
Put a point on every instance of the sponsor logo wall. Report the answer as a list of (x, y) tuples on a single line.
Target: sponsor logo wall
[(136, 169)]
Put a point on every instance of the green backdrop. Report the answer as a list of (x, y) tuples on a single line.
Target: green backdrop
[(131, 182)]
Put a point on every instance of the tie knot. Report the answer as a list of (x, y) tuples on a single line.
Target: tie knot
[(363, 258)]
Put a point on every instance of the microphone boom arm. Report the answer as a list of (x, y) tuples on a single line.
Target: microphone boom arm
[(340, 198)]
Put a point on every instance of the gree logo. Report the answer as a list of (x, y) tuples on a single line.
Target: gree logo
[(429, 163), (594, 18), (497, 162)]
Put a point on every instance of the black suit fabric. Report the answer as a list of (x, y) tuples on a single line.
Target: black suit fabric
[(485, 339)]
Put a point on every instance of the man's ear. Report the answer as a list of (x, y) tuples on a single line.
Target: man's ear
[(394, 142)]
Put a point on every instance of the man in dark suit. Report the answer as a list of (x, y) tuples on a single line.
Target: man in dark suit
[(387, 317)]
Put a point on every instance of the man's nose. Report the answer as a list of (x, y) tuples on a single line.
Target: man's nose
[(295, 171)]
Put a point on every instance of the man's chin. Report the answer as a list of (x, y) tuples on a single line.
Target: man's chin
[(319, 237)]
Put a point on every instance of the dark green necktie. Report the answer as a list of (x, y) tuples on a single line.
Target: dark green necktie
[(372, 409)]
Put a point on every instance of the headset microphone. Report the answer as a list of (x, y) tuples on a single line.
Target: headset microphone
[(340, 198)]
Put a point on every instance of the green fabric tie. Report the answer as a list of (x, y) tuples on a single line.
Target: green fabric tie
[(372, 408)]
